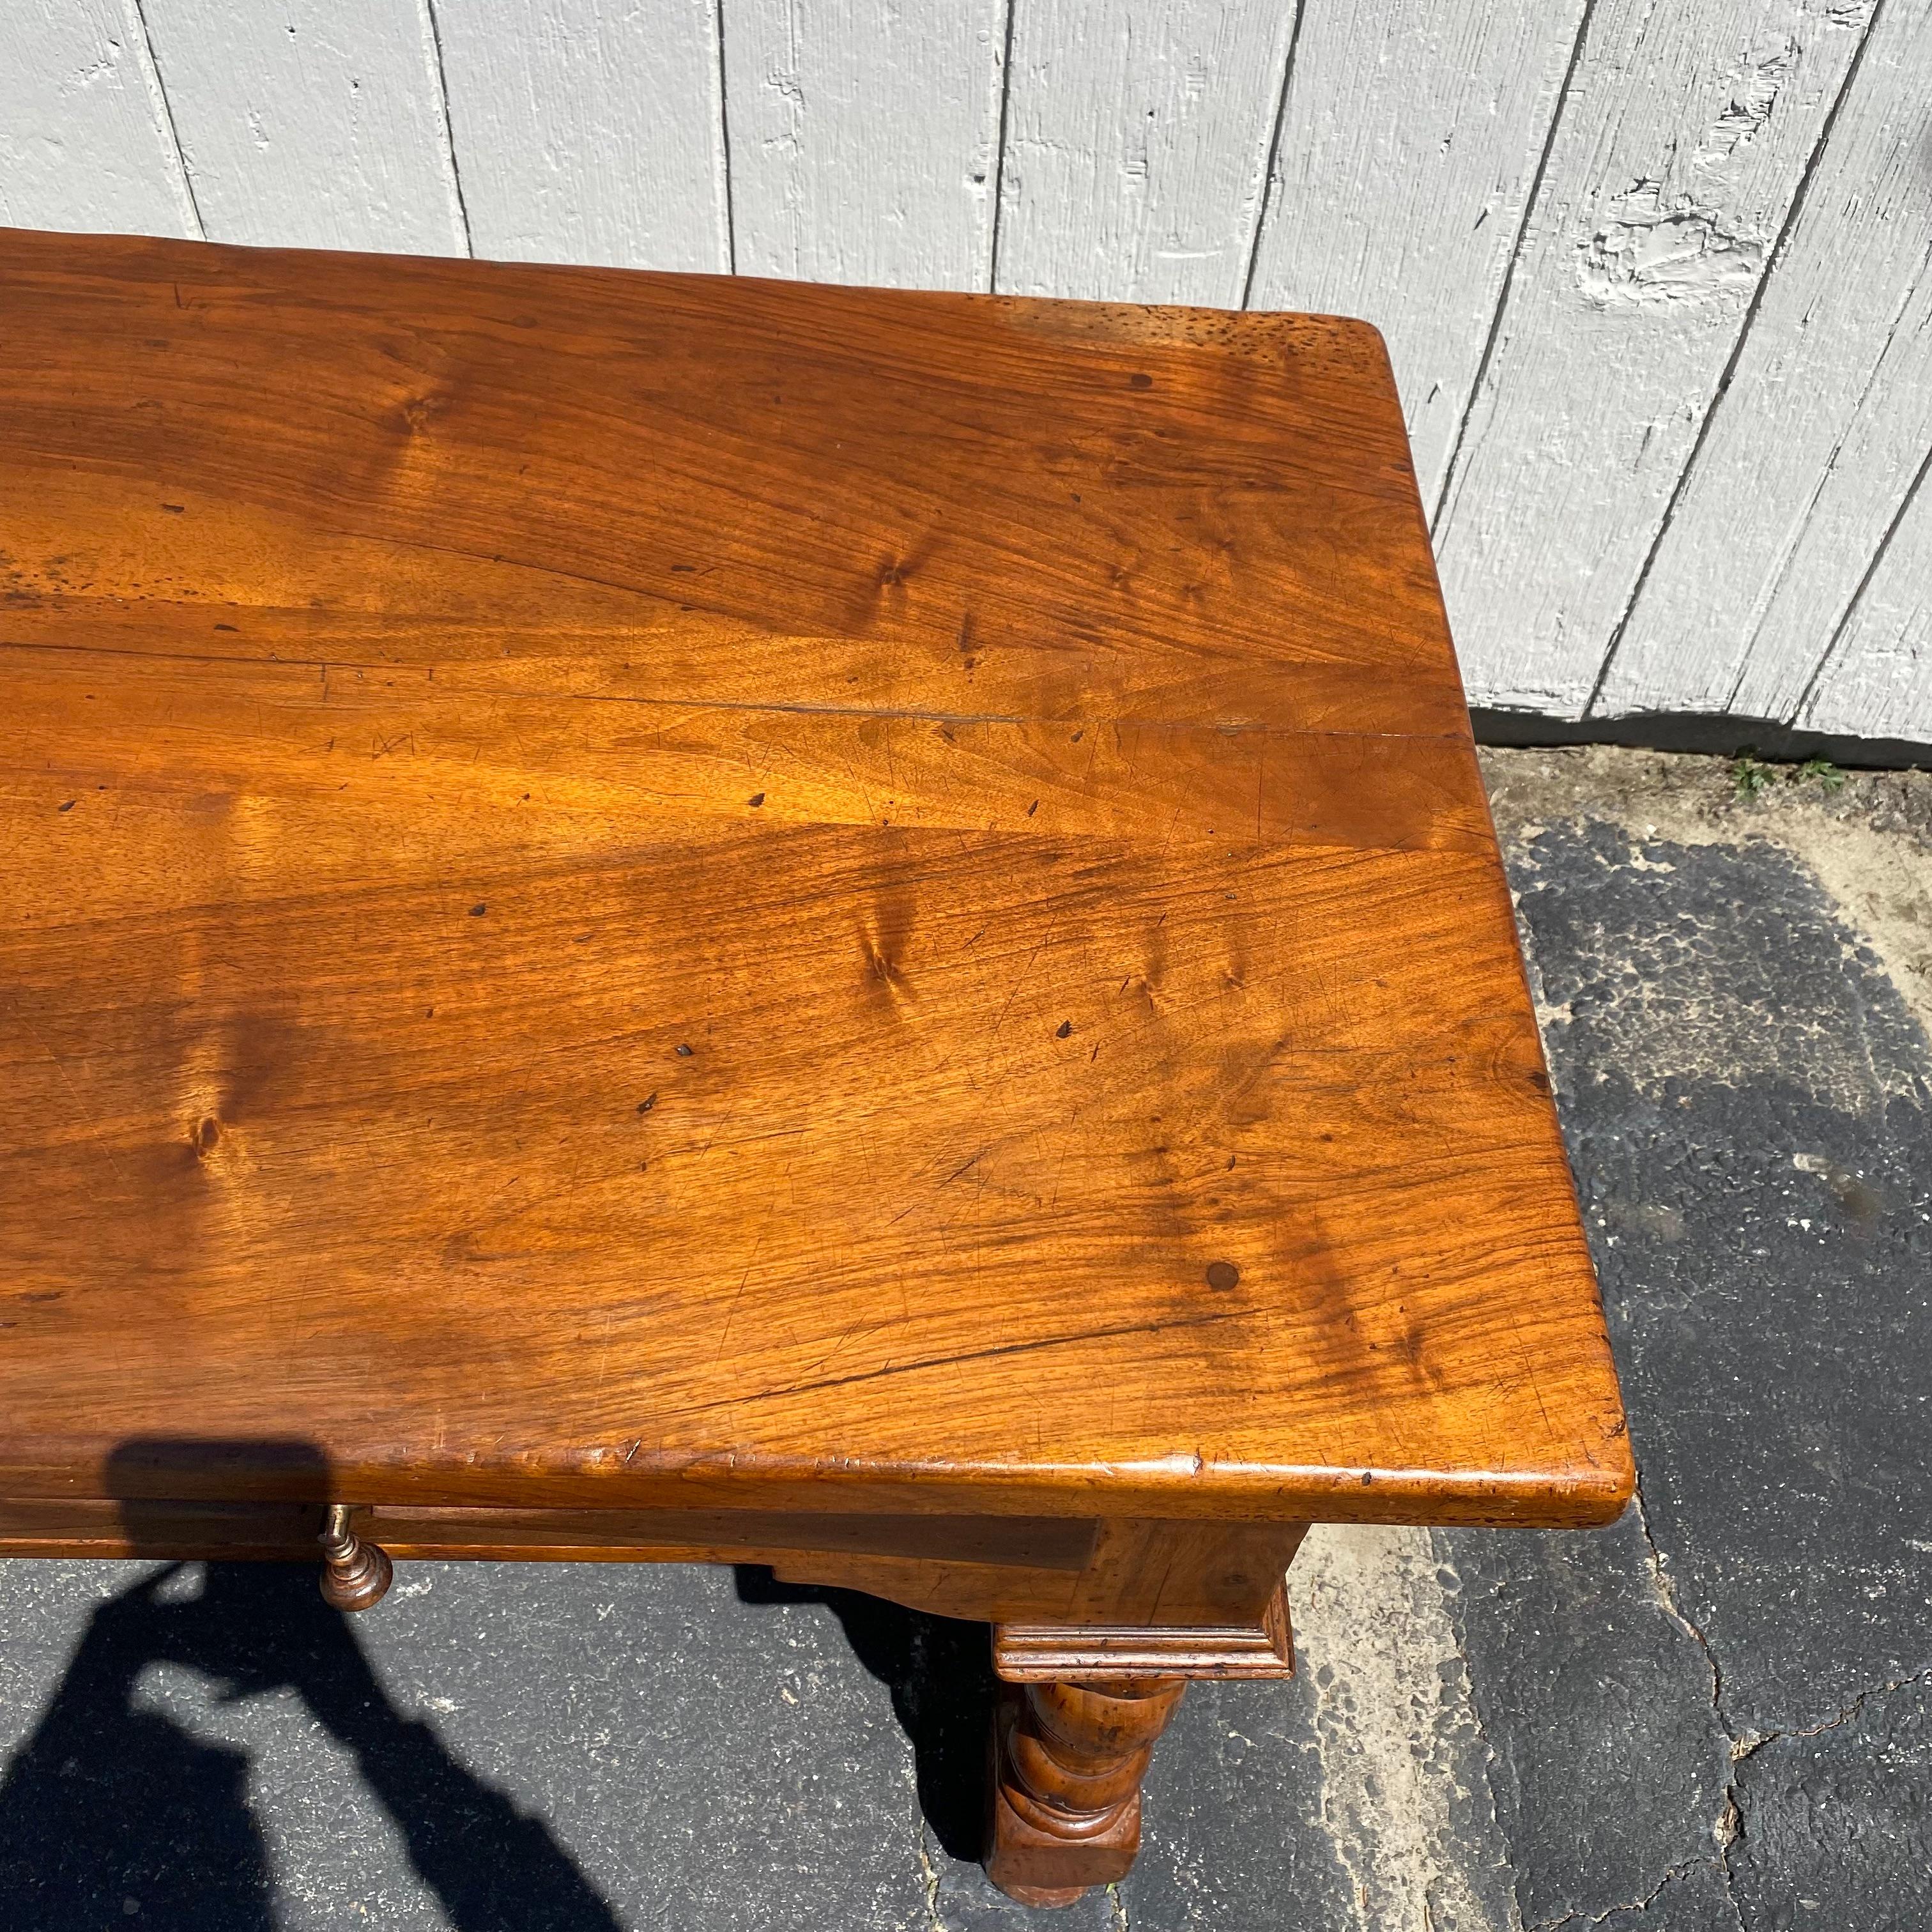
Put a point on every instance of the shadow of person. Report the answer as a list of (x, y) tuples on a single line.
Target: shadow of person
[(107, 1803), (939, 1673)]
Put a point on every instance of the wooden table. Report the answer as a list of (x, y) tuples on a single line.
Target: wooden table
[(649, 917)]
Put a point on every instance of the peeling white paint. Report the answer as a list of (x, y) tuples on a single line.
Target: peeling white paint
[(1755, 85), (1812, 451), (1684, 135), (1646, 253)]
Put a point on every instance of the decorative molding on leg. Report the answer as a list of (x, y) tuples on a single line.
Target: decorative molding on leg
[(1041, 1653), (355, 1575), (1068, 1759)]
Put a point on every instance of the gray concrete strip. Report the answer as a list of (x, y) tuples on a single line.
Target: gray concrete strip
[(1406, 1794)]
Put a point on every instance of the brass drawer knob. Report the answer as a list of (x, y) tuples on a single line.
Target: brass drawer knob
[(355, 1574)]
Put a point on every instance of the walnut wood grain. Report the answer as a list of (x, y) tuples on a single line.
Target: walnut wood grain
[(1068, 1759), (1207, 1592), (1262, 1646), (634, 891)]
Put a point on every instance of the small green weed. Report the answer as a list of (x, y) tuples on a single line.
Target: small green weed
[(1750, 774), (1829, 777)]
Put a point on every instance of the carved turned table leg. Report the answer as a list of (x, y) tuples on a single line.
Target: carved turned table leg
[(1082, 1702), (1068, 1759)]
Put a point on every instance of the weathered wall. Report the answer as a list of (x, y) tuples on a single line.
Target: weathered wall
[(1656, 275)]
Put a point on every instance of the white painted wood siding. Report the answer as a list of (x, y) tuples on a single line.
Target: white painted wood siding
[(1813, 445), (1136, 148), (85, 142), (589, 131), (1656, 275), (318, 124), (1678, 152), (1877, 681), (1435, 115), (864, 138)]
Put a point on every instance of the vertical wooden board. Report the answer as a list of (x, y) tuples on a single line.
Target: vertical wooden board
[(84, 136), (863, 137), (1878, 681), (1136, 149), (314, 124), (589, 130), (1812, 447), (1408, 147), (1676, 157)]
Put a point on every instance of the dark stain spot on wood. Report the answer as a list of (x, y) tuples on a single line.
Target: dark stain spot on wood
[(44, 1295), (174, 509), (224, 627), (1141, 379), (1223, 1275), (1033, 808), (207, 1132), (683, 569), (69, 804), (419, 411), (684, 1052), (644, 1106), (757, 798), (1065, 1027), (478, 910)]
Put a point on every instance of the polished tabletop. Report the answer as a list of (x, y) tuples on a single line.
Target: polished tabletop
[(622, 888)]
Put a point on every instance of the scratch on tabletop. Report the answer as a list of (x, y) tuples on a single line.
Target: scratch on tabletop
[(743, 1282), (1020, 978), (963, 1165), (969, 1355)]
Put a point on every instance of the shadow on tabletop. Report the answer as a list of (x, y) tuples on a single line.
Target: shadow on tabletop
[(111, 1813), (939, 1673)]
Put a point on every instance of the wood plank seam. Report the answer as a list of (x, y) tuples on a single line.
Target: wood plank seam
[(1773, 257), (1272, 160), (1529, 207)]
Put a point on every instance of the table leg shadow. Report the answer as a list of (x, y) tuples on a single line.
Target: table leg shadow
[(939, 1673)]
